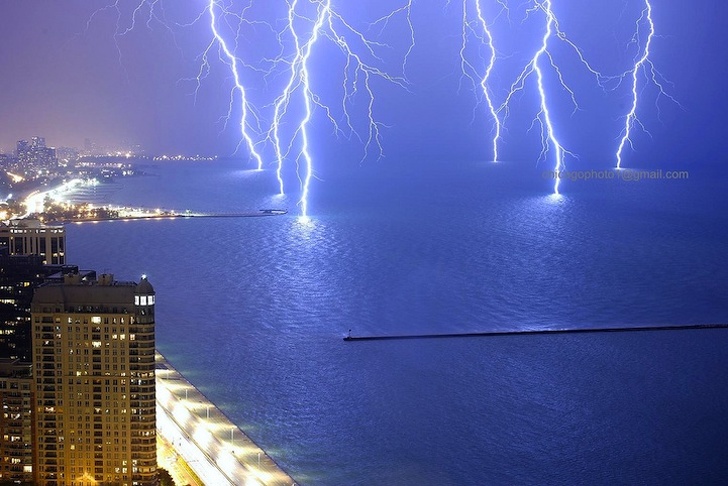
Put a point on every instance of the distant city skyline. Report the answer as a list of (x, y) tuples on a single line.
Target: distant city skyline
[(88, 146)]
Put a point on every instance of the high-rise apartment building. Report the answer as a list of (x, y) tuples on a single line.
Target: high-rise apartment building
[(31, 237), (93, 358), (19, 276), (17, 397)]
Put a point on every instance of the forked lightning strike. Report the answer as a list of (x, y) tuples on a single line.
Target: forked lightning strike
[(299, 80), (642, 64), (357, 76), (228, 56), (549, 140), (152, 7), (483, 34), (309, 23)]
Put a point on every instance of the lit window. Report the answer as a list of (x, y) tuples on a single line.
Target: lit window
[(96, 319)]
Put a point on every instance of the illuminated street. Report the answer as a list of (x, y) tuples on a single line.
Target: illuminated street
[(175, 465), (216, 450), (34, 202)]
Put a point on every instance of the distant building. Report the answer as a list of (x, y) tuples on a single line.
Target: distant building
[(31, 237), (95, 405), (90, 147), (22, 147), (17, 398), (35, 155), (66, 155), (19, 275)]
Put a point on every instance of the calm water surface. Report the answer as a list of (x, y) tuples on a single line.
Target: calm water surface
[(252, 311)]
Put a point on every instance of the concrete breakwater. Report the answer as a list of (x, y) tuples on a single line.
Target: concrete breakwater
[(522, 332)]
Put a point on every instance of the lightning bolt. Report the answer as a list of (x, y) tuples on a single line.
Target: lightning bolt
[(299, 80), (642, 64), (310, 23), (542, 59), (358, 73), (149, 11), (227, 55), (152, 9), (483, 34), (549, 140)]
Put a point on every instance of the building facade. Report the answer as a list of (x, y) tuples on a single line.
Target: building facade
[(19, 276), (31, 237), (17, 398), (93, 359)]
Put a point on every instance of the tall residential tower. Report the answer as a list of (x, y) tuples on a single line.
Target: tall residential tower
[(93, 355)]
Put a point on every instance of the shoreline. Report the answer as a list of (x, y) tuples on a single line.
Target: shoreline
[(260, 214), (212, 446)]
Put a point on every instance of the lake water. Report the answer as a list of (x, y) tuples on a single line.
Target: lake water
[(253, 311)]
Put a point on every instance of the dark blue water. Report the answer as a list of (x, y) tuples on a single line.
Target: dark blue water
[(252, 311)]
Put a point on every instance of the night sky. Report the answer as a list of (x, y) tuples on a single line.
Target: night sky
[(64, 78)]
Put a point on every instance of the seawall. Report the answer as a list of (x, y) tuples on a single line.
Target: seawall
[(216, 450)]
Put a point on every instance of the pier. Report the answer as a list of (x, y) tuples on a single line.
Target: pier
[(528, 332), (199, 445)]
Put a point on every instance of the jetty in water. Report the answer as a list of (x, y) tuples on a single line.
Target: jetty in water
[(529, 332)]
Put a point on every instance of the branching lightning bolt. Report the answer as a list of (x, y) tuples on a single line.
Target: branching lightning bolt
[(152, 8), (358, 73), (309, 23), (228, 56), (470, 71), (642, 64), (484, 35), (299, 79), (549, 140), (361, 61)]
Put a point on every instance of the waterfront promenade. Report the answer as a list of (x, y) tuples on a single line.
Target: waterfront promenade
[(198, 436)]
